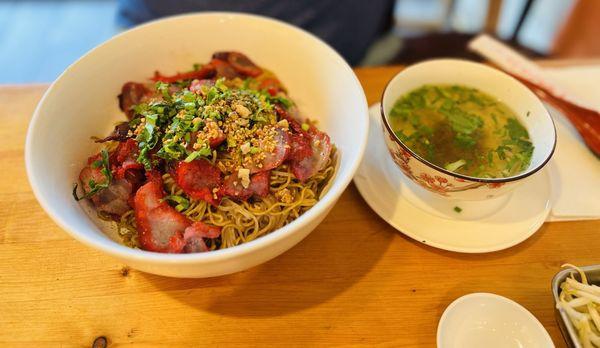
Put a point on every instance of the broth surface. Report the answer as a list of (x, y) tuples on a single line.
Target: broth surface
[(463, 130)]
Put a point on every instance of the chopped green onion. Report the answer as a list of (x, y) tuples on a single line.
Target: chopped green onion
[(203, 152), (281, 100), (94, 186), (163, 88), (454, 166), (96, 164), (254, 150), (181, 202)]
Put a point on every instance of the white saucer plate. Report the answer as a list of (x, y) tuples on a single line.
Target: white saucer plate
[(489, 320), (480, 227)]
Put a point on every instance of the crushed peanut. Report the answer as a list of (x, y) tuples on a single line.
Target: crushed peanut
[(245, 148), (242, 110), (244, 176), (284, 196), (283, 124), (244, 119)]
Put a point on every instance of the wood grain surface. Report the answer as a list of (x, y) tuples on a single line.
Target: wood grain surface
[(353, 281)]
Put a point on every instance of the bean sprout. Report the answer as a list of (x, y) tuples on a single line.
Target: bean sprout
[(581, 301)]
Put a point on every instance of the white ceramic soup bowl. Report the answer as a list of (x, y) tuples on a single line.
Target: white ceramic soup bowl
[(486, 79), (83, 102)]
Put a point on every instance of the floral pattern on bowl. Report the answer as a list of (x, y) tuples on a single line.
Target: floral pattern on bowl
[(435, 181)]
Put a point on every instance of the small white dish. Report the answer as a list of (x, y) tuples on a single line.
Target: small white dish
[(490, 321), (480, 226)]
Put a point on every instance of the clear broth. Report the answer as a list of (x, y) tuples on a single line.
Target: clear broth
[(462, 130)]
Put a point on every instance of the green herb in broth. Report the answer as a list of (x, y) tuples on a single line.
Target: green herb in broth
[(463, 130)]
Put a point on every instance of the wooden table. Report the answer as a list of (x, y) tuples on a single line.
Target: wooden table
[(354, 280)]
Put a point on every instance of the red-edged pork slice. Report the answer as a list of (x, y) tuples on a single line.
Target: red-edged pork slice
[(126, 151), (218, 139), (224, 69), (125, 166), (194, 236), (239, 61), (272, 86), (150, 195), (259, 183), (300, 147), (112, 200), (213, 142), (242, 64), (124, 159), (311, 165), (273, 156), (160, 227), (221, 55), (304, 162), (259, 186), (205, 72), (292, 122), (132, 93), (199, 179)]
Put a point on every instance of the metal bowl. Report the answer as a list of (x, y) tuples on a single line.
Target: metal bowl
[(566, 327)]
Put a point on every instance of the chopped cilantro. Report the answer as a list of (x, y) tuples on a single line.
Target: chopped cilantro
[(181, 203), (400, 134), (281, 100), (464, 140), (462, 129), (455, 165), (463, 122), (163, 88), (247, 82), (495, 118), (515, 129), (501, 151), (203, 152), (211, 96), (254, 150)]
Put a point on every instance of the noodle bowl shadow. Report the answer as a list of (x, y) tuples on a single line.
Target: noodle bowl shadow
[(82, 102), (333, 258)]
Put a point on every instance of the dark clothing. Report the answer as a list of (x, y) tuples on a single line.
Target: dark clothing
[(350, 26)]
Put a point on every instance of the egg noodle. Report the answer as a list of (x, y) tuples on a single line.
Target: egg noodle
[(246, 220)]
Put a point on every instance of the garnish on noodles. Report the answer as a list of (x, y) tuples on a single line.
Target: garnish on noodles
[(207, 159)]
